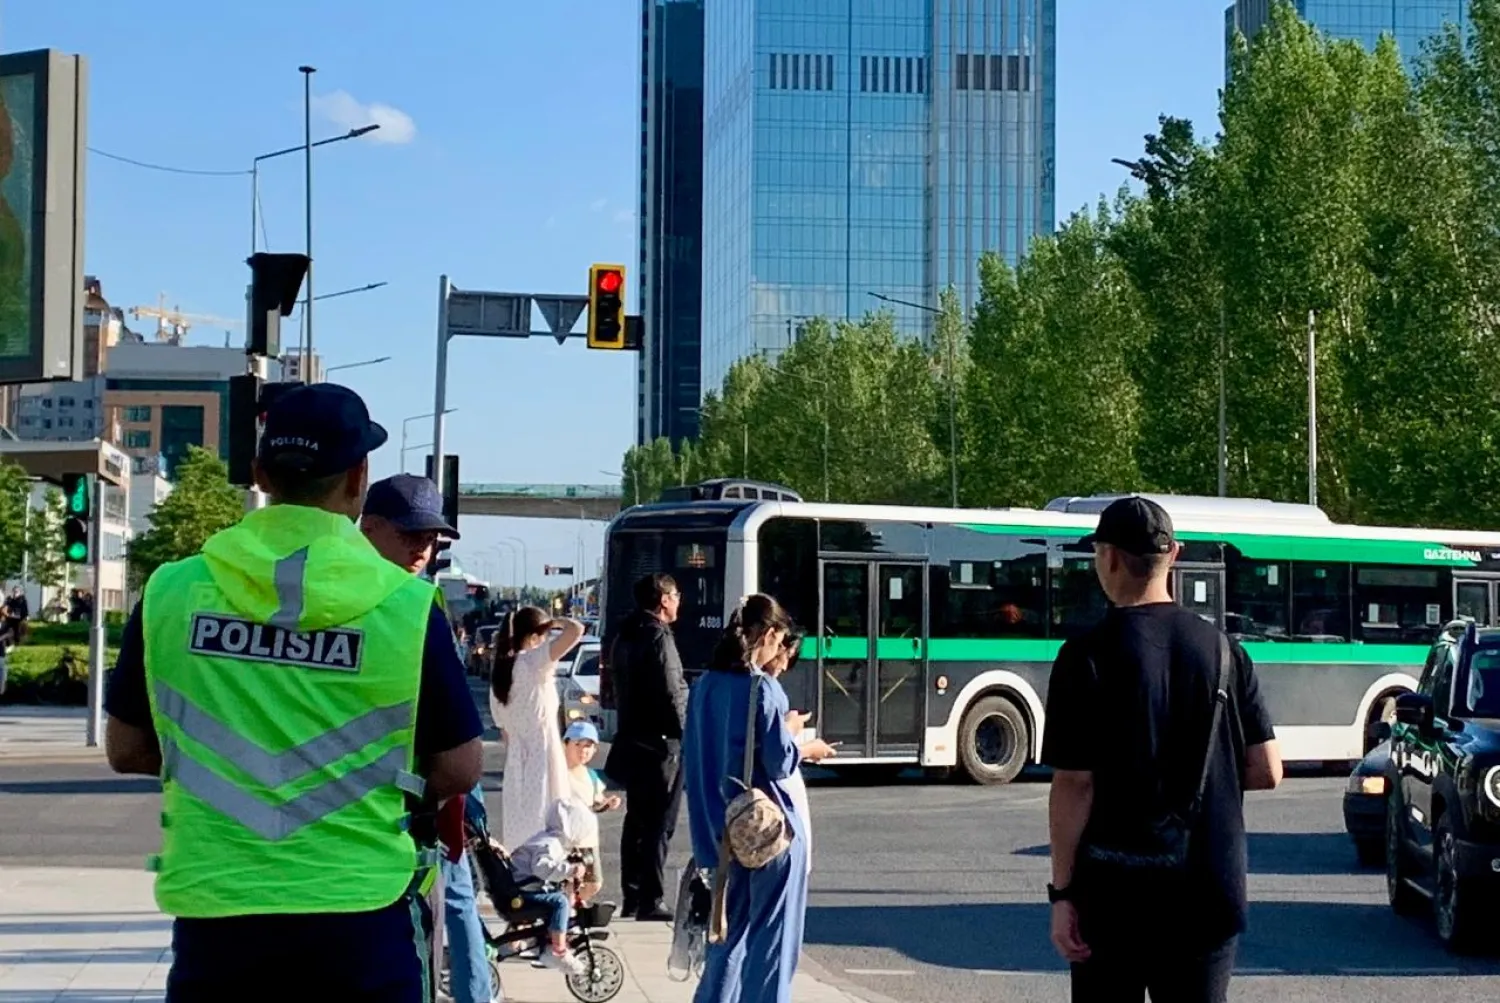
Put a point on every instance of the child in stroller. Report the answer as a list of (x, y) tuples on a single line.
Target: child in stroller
[(540, 917)]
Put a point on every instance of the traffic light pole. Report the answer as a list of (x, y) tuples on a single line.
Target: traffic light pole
[(95, 733)]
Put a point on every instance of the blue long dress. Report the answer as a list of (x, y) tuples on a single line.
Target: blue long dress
[(765, 908)]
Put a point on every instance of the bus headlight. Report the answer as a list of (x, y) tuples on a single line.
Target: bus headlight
[(1492, 785)]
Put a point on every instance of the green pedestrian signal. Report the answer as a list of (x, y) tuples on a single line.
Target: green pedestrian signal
[(78, 503), (76, 494)]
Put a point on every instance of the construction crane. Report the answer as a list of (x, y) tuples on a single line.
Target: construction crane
[(172, 325)]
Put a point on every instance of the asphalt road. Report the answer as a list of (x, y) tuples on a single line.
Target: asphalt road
[(932, 893)]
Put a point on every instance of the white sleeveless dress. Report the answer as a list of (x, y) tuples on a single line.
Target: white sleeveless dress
[(536, 772)]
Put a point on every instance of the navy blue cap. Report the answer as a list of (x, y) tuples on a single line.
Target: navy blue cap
[(412, 503), (319, 430)]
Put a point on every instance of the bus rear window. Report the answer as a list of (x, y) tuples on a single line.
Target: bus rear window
[(695, 560)]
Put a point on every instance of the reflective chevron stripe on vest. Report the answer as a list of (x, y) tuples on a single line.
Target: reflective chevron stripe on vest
[(286, 752)]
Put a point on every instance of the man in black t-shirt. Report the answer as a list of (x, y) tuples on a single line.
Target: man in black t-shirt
[(1129, 708)]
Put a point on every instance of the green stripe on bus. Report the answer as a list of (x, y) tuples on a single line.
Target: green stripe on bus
[(1031, 650), (1292, 548)]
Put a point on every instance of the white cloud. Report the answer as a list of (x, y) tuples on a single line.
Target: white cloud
[(598, 205), (625, 216), (340, 108)]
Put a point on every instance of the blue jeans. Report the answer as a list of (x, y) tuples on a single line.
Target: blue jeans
[(562, 908), (469, 969)]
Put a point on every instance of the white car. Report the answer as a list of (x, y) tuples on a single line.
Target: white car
[(578, 687)]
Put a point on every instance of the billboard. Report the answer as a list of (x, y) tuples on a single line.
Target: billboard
[(43, 97)]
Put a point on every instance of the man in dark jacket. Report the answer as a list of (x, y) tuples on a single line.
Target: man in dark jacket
[(646, 755)]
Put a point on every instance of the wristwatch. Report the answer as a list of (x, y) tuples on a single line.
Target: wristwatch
[(1056, 895)]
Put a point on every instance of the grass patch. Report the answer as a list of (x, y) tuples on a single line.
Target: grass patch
[(54, 674)]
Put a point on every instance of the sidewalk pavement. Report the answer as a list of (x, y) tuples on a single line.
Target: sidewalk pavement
[(44, 733), (73, 935)]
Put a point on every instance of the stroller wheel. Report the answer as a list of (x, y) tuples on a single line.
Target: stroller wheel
[(603, 976)]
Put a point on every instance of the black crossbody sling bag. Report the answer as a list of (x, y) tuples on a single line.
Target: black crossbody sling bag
[(1163, 849)]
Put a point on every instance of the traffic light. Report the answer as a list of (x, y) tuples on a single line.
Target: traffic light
[(249, 400), (607, 306), (77, 512), (448, 486), (275, 280), (441, 559)]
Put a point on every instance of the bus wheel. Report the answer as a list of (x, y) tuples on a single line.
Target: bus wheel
[(1384, 712), (993, 741)]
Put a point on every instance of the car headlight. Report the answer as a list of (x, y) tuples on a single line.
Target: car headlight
[(1492, 785), (585, 698), (1367, 785)]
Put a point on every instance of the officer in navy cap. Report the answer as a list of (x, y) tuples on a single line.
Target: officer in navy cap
[(403, 517)]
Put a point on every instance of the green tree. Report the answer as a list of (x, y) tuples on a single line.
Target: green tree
[(1052, 404), (44, 543), (202, 502), (15, 497)]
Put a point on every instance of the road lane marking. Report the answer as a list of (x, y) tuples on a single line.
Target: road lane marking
[(879, 971)]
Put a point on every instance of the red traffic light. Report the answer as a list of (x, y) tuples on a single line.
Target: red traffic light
[(609, 282)]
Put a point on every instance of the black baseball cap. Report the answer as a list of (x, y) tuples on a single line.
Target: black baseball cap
[(319, 430), (1136, 525), (410, 502)]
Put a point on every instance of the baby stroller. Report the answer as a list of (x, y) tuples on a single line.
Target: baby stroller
[(690, 924), (525, 935)]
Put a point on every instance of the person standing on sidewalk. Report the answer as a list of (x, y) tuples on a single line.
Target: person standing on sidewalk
[(403, 518), (1155, 729), (298, 695), (645, 758)]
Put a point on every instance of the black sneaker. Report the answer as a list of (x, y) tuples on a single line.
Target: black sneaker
[(655, 914)]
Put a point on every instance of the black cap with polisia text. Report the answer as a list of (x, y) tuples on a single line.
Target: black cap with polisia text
[(319, 430)]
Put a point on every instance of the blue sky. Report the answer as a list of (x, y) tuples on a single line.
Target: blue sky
[(507, 159)]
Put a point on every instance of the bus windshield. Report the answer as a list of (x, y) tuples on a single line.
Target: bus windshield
[(695, 560)]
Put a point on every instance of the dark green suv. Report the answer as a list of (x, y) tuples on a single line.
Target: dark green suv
[(1443, 811)]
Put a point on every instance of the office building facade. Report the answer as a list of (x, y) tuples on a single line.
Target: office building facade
[(854, 147), (670, 277), (1410, 22)]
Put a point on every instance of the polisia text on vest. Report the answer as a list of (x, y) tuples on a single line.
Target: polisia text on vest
[(337, 649)]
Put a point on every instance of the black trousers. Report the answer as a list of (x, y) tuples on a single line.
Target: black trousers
[(653, 798), (1125, 969)]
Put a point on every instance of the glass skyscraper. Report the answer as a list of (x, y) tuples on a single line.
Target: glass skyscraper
[(1410, 22), (671, 219), (853, 147)]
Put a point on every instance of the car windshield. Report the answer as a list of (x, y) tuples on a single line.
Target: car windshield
[(1483, 698), (590, 664)]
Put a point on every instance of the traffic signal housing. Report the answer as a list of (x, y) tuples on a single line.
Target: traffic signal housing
[(442, 560), (249, 399), (77, 512), (275, 280), (448, 486), (607, 307)]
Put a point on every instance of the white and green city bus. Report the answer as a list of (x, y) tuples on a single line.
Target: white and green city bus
[(931, 632)]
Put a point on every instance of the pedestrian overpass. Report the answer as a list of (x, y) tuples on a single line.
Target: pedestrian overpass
[(600, 502)]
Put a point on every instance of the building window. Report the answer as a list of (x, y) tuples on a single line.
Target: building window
[(138, 413), (136, 438), (801, 72), (1010, 72)]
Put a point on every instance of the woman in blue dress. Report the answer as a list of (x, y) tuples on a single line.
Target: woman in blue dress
[(765, 907)]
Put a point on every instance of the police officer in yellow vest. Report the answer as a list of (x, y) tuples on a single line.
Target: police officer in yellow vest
[(299, 696)]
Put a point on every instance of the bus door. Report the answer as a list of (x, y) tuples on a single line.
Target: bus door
[(1201, 590), (872, 657), (1475, 596)]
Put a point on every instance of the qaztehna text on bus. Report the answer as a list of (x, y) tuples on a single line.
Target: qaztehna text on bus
[(931, 632)]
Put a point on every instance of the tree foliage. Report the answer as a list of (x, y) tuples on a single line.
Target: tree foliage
[(1339, 193), (45, 542), (202, 502), (15, 497)]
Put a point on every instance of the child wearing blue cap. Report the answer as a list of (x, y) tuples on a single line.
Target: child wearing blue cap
[(580, 743)]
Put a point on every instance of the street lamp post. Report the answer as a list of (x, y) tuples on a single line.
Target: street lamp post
[(514, 557), (356, 365), (525, 558), (307, 315), (255, 177), (952, 393), (407, 421)]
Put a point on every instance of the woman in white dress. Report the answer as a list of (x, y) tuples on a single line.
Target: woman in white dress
[(524, 703)]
